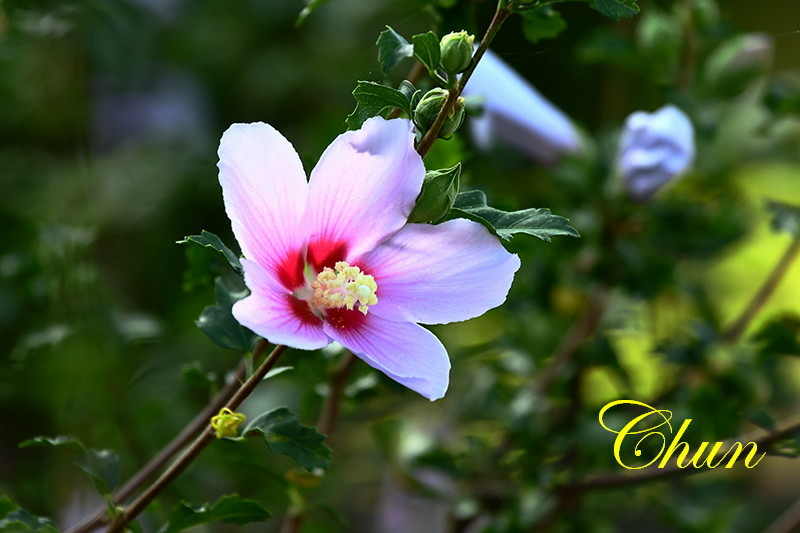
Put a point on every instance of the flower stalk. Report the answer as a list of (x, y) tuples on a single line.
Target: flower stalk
[(188, 456), (504, 10)]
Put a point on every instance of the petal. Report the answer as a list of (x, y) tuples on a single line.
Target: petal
[(520, 116), (409, 354), (362, 190), (265, 194), (437, 274), (275, 314)]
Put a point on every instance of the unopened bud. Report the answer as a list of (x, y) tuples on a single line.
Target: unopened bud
[(439, 191), (654, 149), (226, 423), (430, 105), (456, 51)]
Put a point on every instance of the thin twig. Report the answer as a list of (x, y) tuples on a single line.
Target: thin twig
[(764, 293), (613, 481), (500, 15), (186, 458), (581, 330), (786, 522), (329, 416), (189, 433), (332, 406)]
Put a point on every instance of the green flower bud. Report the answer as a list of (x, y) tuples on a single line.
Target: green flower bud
[(439, 191), (429, 106), (456, 51)]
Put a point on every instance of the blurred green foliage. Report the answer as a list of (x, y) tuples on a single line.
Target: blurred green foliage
[(110, 113)]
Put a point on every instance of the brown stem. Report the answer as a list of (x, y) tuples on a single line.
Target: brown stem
[(500, 15), (786, 522), (689, 49), (764, 293), (329, 416), (612, 481), (331, 408), (189, 433), (188, 456), (580, 331)]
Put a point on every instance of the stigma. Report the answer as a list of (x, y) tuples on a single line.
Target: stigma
[(344, 286)]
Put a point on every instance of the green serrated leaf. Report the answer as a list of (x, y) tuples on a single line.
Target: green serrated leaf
[(309, 8), (785, 217), (542, 23), (374, 99), (284, 434), (539, 222), (412, 93), (427, 51), (207, 239), (229, 509), (102, 466), (392, 48), (615, 9), (439, 191), (217, 322), (64, 442)]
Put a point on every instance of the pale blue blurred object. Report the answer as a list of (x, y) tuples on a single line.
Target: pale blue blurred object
[(516, 114), (654, 149)]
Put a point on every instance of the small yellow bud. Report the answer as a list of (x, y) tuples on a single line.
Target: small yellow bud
[(227, 423)]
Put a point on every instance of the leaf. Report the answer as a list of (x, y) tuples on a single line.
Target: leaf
[(427, 51), (374, 99), (284, 434), (217, 322), (102, 466), (6, 506), (413, 94), (785, 217), (762, 419), (194, 375), (66, 443), (277, 371), (779, 336), (229, 509), (789, 447), (14, 520), (206, 239), (539, 222), (310, 7), (615, 9), (439, 191), (542, 23), (392, 48)]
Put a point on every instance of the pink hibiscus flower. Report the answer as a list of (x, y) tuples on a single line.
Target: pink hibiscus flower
[(334, 259)]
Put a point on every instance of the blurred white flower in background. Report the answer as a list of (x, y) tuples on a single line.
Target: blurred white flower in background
[(517, 115), (654, 149)]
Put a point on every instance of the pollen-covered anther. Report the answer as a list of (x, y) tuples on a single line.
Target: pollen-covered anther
[(344, 286)]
